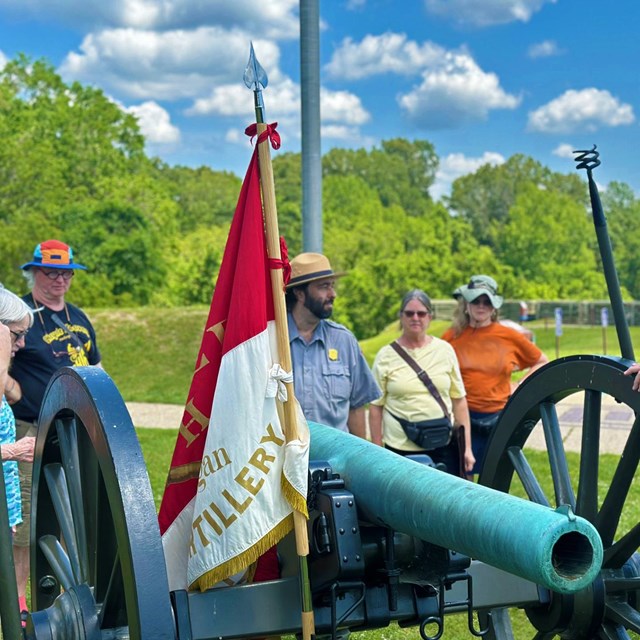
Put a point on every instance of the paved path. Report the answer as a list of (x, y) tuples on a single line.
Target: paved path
[(616, 422)]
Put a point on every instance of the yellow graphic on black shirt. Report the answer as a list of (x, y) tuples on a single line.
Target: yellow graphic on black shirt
[(76, 353)]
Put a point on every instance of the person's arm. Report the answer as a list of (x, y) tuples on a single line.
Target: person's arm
[(375, 424), (634, 369), (461, 418), (542, 360), (20, 451), (5, 357), (12, 390), (357, 422)]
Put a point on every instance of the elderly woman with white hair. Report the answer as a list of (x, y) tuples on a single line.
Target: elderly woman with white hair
[(16, 319)]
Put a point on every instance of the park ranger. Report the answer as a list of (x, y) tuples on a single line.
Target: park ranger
[(331, 378)]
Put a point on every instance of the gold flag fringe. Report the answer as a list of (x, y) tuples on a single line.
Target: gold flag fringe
[(297, 501), (212, 577)]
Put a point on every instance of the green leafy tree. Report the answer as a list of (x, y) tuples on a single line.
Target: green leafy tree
[(547, 240), (484, 198), (622, 209), (204, 197), (400, 171)]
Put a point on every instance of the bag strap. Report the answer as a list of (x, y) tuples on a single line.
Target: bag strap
[(422, 374)]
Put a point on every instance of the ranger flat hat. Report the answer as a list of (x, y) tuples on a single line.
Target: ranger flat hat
[(53, 254), (480, 285), (308, 267)]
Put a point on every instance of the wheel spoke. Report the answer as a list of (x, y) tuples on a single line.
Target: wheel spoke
[(616, 555), (91, 487), (68, 437), (613, 632), (587, 504), (113, 605), (624, 614), (527, 477), (58, 560), (557, 458), (56, 482), (615, 585), (609, 515)]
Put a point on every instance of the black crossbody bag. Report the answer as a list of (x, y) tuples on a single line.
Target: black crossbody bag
[(427, 434)]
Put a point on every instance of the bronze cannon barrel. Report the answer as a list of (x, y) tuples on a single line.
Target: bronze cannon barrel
[(553, 548)]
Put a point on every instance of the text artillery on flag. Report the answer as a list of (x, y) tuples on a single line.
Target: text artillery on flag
[(234, 480)]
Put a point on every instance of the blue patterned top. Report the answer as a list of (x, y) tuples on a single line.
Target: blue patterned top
[(11, 481)]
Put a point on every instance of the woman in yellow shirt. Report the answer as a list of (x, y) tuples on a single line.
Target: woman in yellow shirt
[(405, 398)]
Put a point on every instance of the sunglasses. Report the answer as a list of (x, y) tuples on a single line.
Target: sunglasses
[(420, 314), (481, 301), (20, 335)]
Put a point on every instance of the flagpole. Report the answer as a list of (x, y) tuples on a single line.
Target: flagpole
[(255, 77)]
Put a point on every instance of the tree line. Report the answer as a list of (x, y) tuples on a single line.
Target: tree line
[(73, 166)]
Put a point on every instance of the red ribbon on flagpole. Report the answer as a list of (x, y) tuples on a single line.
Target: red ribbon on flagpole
[(283, 263), (270, 132)]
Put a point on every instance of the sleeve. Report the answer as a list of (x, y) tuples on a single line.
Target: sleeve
[(527, 354), (457, 389), (363, 386), (380, 376)]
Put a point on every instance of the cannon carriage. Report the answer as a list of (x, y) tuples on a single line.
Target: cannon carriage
[(390, 539)]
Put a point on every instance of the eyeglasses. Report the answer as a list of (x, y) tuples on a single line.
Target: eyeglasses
[(481, 300), (19, 335), (421, 314), (67, 274)]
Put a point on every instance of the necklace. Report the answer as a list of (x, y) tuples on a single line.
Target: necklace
[(37, 308)]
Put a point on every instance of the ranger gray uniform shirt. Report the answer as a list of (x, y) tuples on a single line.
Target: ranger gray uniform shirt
[(330, 374)]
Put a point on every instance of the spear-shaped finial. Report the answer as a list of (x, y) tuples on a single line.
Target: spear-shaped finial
[(255, 77)]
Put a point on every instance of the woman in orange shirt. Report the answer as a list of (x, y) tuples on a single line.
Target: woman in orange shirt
[(488, 353)]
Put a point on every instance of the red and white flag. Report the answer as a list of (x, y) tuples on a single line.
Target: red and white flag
[(234, 480)]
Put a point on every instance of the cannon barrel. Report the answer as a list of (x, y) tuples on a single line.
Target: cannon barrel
[(553, 548)]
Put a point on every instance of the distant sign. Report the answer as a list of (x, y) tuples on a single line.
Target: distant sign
[(558, 313), (604, 316)]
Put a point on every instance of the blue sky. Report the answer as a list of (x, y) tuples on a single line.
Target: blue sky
[(480, 79)]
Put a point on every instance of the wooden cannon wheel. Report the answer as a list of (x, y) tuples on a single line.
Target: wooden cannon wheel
[(608, 608), (97, 564)]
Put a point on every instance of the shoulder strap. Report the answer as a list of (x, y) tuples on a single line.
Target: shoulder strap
[(422, 374)]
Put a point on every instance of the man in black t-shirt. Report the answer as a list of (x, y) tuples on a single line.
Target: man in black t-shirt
[(61, 336)]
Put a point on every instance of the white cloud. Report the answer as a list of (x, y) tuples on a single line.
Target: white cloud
[(164, 66), (235, 136), (484, 13), (275, 18), (337, 108), (455, 165), (387, 53), (585, 110), (342, 106), (564, 150), (454, 89), (3, 60), (545, 49), (454, 92), (339, 132), (353, 5), (155, 123)]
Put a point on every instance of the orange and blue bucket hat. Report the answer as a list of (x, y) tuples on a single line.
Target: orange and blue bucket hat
[(53, 254)]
